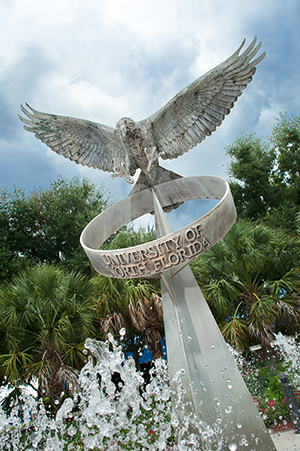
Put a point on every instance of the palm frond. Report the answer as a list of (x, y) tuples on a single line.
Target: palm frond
[(235, 332), (137, 314), (13, 365), (156, 303), (112, 323), (261, 330)]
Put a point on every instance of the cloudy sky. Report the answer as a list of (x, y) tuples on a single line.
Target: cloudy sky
[(105, 59)]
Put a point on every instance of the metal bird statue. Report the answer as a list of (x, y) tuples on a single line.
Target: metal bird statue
[(186, 120)]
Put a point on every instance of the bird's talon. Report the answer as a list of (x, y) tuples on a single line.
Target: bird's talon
[(123, 172)]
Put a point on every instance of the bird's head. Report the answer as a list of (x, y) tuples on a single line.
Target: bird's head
[(125, 125)]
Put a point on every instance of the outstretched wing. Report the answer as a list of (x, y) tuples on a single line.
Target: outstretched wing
[(197, 110), (85, 142)]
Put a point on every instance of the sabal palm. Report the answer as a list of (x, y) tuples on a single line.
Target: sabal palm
[(134, 305), (47, 315), (252, 282)]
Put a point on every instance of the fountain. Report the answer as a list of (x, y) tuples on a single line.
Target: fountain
[(289, 349), (213, 391), (212, 408), (128, 415), (106, 416)]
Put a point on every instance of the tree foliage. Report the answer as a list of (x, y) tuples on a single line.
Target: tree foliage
[(45, 226), (129, 237), (251, 279), (45, 314), (265, 175), (133, 307), (251, 168)]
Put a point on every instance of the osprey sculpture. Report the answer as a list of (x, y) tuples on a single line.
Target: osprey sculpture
[(180, 125)]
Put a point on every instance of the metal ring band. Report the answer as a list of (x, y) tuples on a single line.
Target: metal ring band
[(170, 251)]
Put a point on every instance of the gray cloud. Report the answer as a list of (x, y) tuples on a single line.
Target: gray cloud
[(104, 60)]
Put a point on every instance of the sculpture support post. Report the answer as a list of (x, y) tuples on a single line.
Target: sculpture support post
[(214, 389)]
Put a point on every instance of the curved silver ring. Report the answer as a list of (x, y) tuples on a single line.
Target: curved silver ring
[(172, 250)]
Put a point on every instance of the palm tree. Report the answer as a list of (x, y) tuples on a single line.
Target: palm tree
[(147, 316), (133, 306), (252, 282), (47, 314)]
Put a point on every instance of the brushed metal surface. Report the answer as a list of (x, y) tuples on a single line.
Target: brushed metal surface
[(170, 251)]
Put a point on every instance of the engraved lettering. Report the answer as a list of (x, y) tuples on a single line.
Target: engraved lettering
[(182, 255), (130, 257), (123, 259), (114, 260), (135, 270), (158, 257), (192, 249), (142, 268), (173, 259), (198, 246), (165, 245), (190, 234), (118, 271), (199, 230), (126, 272), (205, 242), (175, 241), (159, 250), (153, 252), (136, 256), (143, 253), (107, 259), (159, 264)]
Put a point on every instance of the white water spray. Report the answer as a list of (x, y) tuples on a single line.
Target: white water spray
[(105, 415)]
